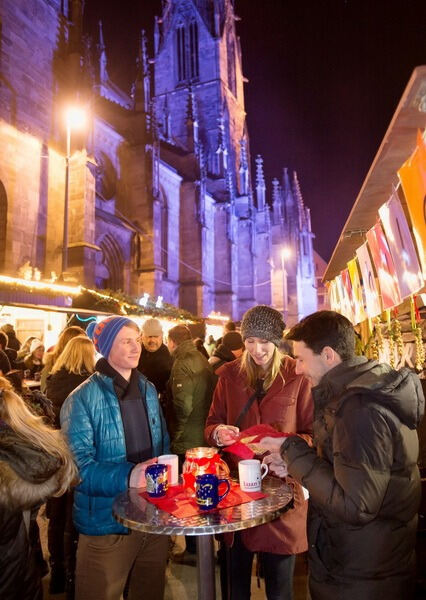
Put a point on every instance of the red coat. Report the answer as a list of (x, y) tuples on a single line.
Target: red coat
[(288, 406)]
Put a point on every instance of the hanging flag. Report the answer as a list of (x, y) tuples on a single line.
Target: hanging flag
[(372, 294), (412, 175), (348, 296), (385, 268), (357, 291), (334, 296), (401, 246)]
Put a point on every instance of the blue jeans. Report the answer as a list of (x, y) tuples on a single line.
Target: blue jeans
[(277, 570)]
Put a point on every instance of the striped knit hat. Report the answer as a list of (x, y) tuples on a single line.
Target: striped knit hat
[(104, 333)]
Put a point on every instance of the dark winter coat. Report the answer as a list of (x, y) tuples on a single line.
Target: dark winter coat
[(59, 386), (363, 481), (288, 407), (28, 476), (220, 356), (156, 366), (191, 388)]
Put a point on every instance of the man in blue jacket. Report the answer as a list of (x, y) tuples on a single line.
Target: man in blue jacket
[(115, 429)]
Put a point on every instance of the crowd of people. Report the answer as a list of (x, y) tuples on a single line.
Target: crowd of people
[(113, 398)]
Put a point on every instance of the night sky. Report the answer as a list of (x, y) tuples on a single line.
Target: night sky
[(325, 77)]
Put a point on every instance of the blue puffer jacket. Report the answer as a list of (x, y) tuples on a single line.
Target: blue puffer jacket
[(91, 419)]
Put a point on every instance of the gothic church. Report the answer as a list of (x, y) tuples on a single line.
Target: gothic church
[(164, 197)]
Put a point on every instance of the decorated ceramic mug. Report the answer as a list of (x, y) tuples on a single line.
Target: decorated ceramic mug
[(207, 490), (156, 480)]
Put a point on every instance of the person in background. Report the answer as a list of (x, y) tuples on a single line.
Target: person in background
[(35, 464), (232, 347), (5, 365), (210, 345), (362, 474), (51, 356), (115, 428), (24, 349), (34, 360), (262, 387), (10, 352), (199, 344), (190, 391), (14, 343), (229, 326), (74, 365), (191, 388), (155, 361)]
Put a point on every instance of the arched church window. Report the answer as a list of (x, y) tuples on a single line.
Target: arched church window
[(193, 49), (187, 51), (181, 53), (3, 226)]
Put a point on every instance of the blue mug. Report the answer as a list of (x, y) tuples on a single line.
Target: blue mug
[(207, 490), (156, 480)]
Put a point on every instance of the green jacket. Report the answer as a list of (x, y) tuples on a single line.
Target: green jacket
[(191, 389)]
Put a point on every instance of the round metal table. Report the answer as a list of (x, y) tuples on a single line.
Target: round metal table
[(135, 512)]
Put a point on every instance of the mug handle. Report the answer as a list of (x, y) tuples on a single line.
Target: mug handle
[(228, 488), (264, 471)]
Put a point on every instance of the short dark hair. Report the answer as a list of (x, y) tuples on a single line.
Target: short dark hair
[(4, 340), (325, 328), (230, 326), (179, 334)]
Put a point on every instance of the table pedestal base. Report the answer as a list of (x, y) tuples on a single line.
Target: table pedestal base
[(206, 577)]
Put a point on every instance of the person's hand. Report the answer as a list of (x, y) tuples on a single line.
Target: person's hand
[(137, 474), (225, 435), (276, 464), (272, 444)]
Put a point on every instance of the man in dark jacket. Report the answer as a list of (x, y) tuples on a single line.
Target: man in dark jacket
[(362, 476), (191, 389), (115, 429), (155, 361), (232, 347)]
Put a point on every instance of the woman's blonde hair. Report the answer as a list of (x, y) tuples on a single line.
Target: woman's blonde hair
[(249, 368), (34, 430), (66, 335), (77, 357)]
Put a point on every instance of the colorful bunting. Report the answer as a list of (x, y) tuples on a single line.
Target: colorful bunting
[(385, 268), (372, 295), (401, 246)]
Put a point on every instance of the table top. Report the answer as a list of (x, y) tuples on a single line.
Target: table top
[(133, 511)]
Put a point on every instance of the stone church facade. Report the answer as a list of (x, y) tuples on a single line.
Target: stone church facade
[(164, 197)]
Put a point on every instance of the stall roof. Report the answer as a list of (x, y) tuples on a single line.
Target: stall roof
[(397, 145)]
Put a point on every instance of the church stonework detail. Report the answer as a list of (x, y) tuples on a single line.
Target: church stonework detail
[(164, 196)]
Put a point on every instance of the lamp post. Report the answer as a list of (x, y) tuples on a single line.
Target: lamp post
[(75, 118), (285, 254)]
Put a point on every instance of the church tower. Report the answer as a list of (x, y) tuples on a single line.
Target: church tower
[(198, 106), (198, 61)]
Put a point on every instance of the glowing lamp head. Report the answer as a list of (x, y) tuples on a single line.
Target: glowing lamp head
[(75, 117), (285, 253)]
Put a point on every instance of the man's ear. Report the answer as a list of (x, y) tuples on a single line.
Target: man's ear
[(329, 354)]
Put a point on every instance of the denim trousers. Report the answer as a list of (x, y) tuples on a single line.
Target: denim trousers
[(277, 570)]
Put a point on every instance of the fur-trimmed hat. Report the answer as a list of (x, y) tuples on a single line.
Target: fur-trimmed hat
[(104, 333), (263, 322)]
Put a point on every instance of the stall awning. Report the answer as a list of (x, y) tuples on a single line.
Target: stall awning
[(397, 145)]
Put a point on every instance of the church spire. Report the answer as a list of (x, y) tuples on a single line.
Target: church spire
[(260, 183), (192, 121), (276, 200), (141, 89), (103, 75), (243, 171)]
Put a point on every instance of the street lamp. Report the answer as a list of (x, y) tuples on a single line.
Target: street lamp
[(75, 118), (285, 254)]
